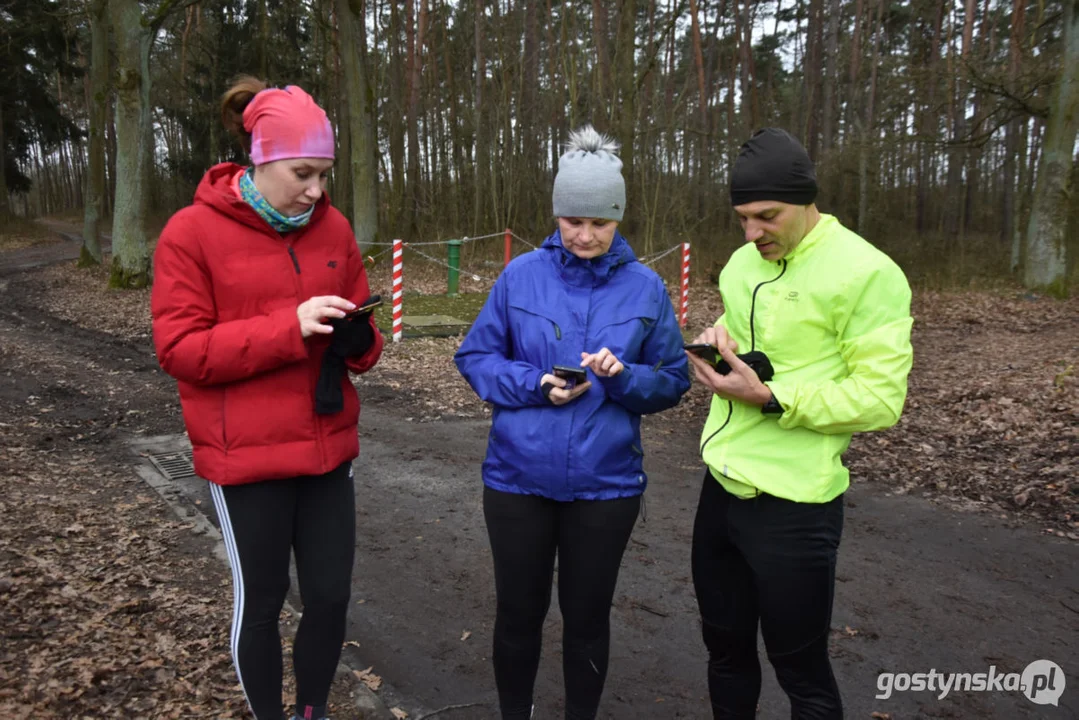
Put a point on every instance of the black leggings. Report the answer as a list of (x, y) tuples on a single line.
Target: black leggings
[(261, 523), (589, 537), (771, 560)]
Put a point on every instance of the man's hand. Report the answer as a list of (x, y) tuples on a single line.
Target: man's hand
[(741, 384), (717, 337), (558, 395), (603, 364)]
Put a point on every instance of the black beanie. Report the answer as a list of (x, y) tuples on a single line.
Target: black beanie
[(772, 165)]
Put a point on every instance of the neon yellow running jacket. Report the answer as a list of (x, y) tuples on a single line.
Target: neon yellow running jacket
[(834, 319)]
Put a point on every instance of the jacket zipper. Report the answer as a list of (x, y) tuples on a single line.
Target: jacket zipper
[(317, 419), (752, 346), (753, 305), (224, 419), (573, 410)]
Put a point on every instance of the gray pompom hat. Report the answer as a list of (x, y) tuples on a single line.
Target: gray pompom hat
[(589, 181)]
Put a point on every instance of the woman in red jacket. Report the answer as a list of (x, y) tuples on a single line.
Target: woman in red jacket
[(252, 285)]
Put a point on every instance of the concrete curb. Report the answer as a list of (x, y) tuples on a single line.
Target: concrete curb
[(368, 704)]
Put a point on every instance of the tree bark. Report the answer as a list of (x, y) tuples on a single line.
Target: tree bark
[(480, 167), (959, 192), (530, 111), (363, 158), (414, 30), (814, 77), (5, 208), (704, 151), (130, 249), (1046, 266), (625, 120), (396, 109), (98, 102), (1009, 226), (831, 62), (868, 127), (603, 83)]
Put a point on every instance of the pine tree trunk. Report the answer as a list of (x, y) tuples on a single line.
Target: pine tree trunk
[(1009, 228), (415, 29), (480, 168), (868, 127), (831, 62), (130, 250), (603, 63), (530, 111), (363, 160), (98, 101), (5, 208), (396, 109), (704, 150), (625, 120), (1046, 267)]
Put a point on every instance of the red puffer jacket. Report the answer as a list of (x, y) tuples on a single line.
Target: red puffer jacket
[(226, 288)]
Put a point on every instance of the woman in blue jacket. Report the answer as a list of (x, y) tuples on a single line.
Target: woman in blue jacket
[(564, 473)]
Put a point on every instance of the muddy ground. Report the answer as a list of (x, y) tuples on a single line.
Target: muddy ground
[(959, 552)]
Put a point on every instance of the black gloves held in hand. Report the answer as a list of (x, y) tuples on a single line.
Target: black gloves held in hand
[(351, 337), (756, 360)]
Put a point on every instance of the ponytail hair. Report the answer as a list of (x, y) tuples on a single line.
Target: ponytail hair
[(233, 102)]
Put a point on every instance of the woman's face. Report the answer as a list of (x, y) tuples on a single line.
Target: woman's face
[(587, 237), (293, 185)]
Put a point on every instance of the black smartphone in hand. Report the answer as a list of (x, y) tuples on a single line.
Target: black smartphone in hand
[(572, 375), (708, 353), (370, 304)]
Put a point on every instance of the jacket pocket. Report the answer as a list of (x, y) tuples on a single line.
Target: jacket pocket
[(536, 332), (624, 330), (545, 318)]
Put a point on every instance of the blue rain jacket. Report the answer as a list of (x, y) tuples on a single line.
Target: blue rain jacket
[(546, 308)]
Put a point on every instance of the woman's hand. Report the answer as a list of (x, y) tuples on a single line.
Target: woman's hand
[(558, 394), (603, 364), (312, 312)]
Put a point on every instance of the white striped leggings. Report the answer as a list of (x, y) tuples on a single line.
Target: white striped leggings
[(261, 523)]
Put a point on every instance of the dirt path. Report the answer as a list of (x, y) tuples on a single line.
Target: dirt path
[(922, 586), (109, 605)]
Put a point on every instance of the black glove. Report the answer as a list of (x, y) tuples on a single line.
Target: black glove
[(756, 360), (351, 337)]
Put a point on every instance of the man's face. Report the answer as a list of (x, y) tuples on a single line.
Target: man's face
[(774, 227)]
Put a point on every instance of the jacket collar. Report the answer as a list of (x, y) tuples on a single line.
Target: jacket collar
[(596, 271), (824, 227)]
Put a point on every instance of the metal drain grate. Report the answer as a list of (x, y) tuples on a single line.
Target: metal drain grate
[(174, 465)]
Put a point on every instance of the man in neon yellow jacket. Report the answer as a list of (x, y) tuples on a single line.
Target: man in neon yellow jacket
[(831, 314)]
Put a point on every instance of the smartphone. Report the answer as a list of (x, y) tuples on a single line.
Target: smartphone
[(572, 375), (372, 302), (704, 351)]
